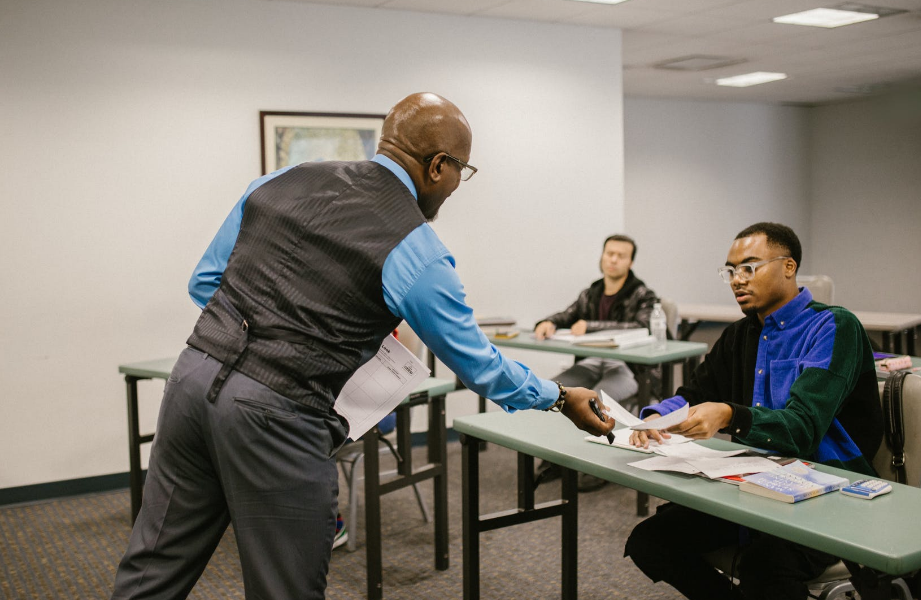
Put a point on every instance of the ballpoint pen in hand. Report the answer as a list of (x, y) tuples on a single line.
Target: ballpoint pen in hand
[(600, 415)]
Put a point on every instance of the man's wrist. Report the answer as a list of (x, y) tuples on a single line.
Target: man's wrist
[(557, 406)]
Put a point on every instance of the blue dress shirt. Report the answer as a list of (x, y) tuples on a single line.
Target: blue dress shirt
[(420, 286)]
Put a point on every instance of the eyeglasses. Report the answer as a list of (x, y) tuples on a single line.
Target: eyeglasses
[(745, 271), (467, 171)]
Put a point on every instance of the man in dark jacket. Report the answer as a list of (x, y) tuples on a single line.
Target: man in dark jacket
[(795, 377), (619, 300)]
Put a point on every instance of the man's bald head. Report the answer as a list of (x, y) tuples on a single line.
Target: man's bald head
[(422, 124), (430, 138)]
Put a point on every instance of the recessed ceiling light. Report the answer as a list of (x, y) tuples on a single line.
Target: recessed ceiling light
[(748, 79), (601, 1), (826, 17)]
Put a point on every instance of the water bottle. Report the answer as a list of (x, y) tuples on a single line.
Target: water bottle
[(657, 327)]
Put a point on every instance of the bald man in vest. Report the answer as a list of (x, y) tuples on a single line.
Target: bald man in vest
[(315, 265)]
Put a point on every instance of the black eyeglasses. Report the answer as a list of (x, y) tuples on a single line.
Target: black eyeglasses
[(467, 171)]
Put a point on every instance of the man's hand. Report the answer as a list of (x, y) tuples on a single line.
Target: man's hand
[(640, 439), (544, 330), (579, 327), (578, 410), (704, 420)]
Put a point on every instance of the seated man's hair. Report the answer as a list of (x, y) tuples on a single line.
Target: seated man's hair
[(777, 235), (621, 238)]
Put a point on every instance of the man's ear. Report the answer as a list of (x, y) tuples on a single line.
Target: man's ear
[(436, 168)]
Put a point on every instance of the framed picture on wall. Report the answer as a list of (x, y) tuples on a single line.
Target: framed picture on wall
[(291, 138)]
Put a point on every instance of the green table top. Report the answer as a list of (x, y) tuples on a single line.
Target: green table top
[(160, 369), (638, 355), (883, 533)]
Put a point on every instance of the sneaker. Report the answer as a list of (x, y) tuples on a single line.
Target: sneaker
[(342, 534)]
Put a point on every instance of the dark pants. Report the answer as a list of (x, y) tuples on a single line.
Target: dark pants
[(253, 458), (670, 545)]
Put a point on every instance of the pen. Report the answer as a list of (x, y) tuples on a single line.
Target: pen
[(600, 415)]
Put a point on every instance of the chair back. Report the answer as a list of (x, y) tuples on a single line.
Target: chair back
[(821, 286), (672, 318), (911, 421)]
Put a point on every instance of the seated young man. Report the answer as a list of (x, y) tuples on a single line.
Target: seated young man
[(793, 376), (619, 300)]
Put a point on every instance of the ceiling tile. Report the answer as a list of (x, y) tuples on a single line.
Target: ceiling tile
[(693, 23), (456, 7), (622, 16), (542, 10)]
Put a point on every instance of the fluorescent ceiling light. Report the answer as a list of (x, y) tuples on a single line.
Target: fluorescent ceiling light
[(826, 17), (748, 79), (601, 1)]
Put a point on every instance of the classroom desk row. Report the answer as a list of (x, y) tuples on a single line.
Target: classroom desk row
[(882, 535), (431, 392), (899, 330)]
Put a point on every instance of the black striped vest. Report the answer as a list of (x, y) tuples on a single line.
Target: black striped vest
[(300, 306)]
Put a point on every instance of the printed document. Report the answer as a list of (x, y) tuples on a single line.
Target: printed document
[(622, 440), (379, 386), (625, 417)]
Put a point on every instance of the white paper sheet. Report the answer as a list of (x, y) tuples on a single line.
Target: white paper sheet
[(622, 440), (672, 418), (624, 417), (617, 412), (692, 451), (721, 467), (665, 463), (379, 386)]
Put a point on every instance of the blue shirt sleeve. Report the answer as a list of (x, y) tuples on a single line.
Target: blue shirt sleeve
[(422, 287), (663, 408), (206, 277)]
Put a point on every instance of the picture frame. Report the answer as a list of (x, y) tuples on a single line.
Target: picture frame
[(291, 138)]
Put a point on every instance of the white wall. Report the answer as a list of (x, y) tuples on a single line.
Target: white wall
[(697, 173), (129, 129), (866, 200)]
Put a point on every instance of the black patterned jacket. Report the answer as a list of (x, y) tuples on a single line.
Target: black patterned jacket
[(631, 308)]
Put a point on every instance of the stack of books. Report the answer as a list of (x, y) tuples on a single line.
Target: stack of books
[(609, 338), (500, 327)]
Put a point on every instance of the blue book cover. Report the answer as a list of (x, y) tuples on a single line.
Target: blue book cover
[(792, 483)]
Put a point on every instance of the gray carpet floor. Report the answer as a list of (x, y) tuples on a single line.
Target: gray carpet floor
[(69, 548)]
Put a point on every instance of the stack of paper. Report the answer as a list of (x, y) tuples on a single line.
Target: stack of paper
[(674, 453), (609, 338)]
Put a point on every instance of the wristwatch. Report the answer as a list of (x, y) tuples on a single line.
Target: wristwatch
[(560, 401)]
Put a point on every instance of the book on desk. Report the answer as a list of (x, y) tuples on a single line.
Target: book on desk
[(608, 338), (791, 483), (500, 327)]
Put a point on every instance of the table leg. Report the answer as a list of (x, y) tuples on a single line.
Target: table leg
[(373, 516), (136, 482), (888, 345), (570, 534), (438, 455), (470, 510)]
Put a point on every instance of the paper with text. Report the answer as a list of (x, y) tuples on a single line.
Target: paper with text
[(622, 440), (625, 417), (379, 386)]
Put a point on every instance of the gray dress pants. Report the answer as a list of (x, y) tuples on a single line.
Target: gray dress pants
[(252, 458)]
